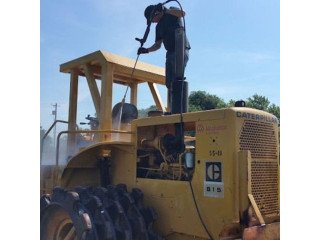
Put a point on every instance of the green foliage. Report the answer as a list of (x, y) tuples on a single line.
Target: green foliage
[(263, 103), (201, 100), (231, 103), (144, 111), (258, 102), (275, 110), (194, 108)]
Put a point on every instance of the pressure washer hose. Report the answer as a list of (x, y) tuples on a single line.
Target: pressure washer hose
[(142, 41)]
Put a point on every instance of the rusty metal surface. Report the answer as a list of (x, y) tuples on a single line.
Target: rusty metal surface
[(267, 232)]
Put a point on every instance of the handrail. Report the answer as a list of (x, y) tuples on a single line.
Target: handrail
[(84, 131), (46, 134)]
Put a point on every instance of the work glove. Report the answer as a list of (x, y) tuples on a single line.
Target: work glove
[(142, 50)]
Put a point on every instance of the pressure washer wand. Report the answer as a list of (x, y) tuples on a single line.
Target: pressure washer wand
[(134, 67), (142, 41)]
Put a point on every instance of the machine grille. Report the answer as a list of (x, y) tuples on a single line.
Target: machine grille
[(260, 139), (264, 185)]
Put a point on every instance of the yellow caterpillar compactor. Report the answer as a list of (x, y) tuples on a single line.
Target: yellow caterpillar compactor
[(186, 175)]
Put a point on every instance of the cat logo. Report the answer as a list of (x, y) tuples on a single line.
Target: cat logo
[(213, 184), (213, 171)]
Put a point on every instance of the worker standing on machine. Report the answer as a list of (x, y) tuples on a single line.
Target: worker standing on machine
[(168, 21)]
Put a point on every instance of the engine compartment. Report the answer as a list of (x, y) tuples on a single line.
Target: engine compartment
[(159, 156)]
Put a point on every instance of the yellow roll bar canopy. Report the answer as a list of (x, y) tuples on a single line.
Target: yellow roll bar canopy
[(110, 69)]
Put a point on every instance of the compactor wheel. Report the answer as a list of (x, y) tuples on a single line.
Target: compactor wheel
[(110, 213)]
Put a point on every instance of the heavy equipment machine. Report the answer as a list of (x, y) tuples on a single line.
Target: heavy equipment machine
[(133, 180)]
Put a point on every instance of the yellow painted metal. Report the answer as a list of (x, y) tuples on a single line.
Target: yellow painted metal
[(123, 67), (73, 103), (217, 140), (156, 96), (244, 160), (105, 120), (82, 168), (214, 202), (95, 94), (175, 207), (259, 168), (109, 68), (133, 93)]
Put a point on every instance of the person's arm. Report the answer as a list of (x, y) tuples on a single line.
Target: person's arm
[(155, 46)]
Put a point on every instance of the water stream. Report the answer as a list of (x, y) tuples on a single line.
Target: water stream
[(117, 124)]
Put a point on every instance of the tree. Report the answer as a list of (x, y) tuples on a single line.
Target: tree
[(262, 103), (201, 100), (258, 102), (144, 111), (275, 110), (231, 103), (194, 108)]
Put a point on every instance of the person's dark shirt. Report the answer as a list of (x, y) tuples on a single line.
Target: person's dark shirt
[(165, 30)]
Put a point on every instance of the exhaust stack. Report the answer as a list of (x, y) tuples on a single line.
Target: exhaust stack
[(179, 103)]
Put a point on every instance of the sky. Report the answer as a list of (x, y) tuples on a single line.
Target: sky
[(235, 48)]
